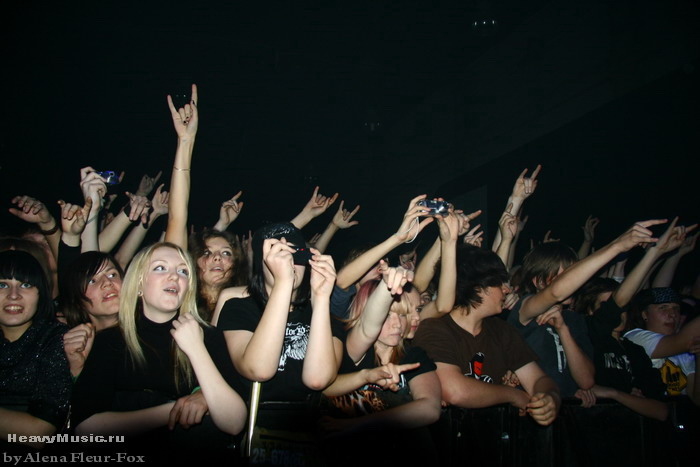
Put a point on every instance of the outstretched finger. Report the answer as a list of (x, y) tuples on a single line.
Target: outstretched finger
[(651, 222), (536, 172)]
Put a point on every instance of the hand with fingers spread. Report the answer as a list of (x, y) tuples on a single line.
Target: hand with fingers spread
[(343, 218), (474, 236), (147, 184), (525, 186), (411, 226), (77, 343), (638, 234), (322, 274), (74, 219), (589, 228), (188, 411), (186, 119), (317, 205), (673, 237), (395, 278), (587, 396), (33, 211), (139, 208), (229, 212)]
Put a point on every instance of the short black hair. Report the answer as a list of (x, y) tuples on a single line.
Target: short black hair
[(477, 269), (22, 266)]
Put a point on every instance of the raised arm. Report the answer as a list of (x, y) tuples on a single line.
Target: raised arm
[(35, 212), (408, 230), (588, 236), (229, 212), (93, 186), (138, 209), (449, 227), (575, 276), (508, 228), (523, 188), (684, 245), (341, 220), (324, 352), (185, 121), (147, 184), (316, 206)]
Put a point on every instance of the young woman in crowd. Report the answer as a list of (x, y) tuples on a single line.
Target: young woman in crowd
[(34, 378)]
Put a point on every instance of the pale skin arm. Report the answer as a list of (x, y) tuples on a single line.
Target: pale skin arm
[(575, 276), (423, 410), (387, 376), (511, 252), (229, 212), (317, 205), (227, 409), (126, 423), (138, 211), (543, 406), (409, 227), (323, 352), (252, 352), (685, 245), (425, 271), (648, 407), (93, 187), (523, 188), (35, 212), (186, 121), (508, 227), (470, 393), (23, 424)]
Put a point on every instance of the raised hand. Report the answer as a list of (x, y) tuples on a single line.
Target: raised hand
[(343, 218), (449, 226), (160, 201), (408, 260), (525, 186), (188, 334), (318, 203), (673, 237), (139, 207), (548, 237), (474, 236), (77, 343), (638, 234), (688, 244), (410, 226), (466, 220), (229, 212), (33, 211), (74, 217), (589, 228), (93, 186), (147, 183), (185, 119), (508, 224), (322, 274), (395, 278)]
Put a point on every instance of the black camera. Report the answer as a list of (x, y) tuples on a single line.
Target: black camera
[(435, 207), (302, 256), (110, 176)]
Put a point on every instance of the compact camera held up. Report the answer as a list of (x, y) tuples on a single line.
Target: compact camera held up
[(435, 207), (110, 176)]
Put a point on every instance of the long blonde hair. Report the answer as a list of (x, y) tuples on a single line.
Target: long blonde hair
[(129, 304)]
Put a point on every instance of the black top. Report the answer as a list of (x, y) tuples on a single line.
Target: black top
[(111, 382), (34, 373), (622, 364), (243, 314)]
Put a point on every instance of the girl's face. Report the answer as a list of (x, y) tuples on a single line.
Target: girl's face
[(216, 264), (413, 314), (103, 292), (18, 304), (393, 329), (164, 284), (663, 318)]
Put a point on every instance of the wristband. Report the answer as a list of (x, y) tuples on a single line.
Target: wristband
[(181, 170), (50, 231)]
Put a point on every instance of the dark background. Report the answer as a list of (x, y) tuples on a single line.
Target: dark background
[(603, 94)]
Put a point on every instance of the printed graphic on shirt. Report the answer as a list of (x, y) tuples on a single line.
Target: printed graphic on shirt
[(371, 398), (561, 356), (674, 378), (296, 337), (617, 362), (476, 368)]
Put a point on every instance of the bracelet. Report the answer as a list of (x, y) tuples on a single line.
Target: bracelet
[(50, 231), (181, 170), (195, 390)]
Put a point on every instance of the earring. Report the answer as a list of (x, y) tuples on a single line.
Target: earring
[(140, 293)]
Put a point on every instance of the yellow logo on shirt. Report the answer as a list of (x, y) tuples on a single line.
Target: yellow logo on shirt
[(674, 378)]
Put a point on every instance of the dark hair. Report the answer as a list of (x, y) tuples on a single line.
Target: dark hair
[(586, 297), (34, 249), (257, 282), (477, 269), (542, 264), (22, 266), (74, 281)]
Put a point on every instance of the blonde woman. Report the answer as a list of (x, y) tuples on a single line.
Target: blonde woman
[(163, 366)]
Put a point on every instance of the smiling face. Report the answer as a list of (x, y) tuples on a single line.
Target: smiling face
[(18, 304), (215, 266), (102, 292), (663, 318), (165, 283)]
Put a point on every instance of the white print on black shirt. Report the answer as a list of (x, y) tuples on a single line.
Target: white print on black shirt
[(619, 362), (296, 337), (561, 356)]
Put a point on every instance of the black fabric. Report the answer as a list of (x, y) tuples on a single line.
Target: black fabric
[(34, 373)]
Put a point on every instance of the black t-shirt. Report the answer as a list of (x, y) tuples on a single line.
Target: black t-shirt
[(622, 364), (244, 314)]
